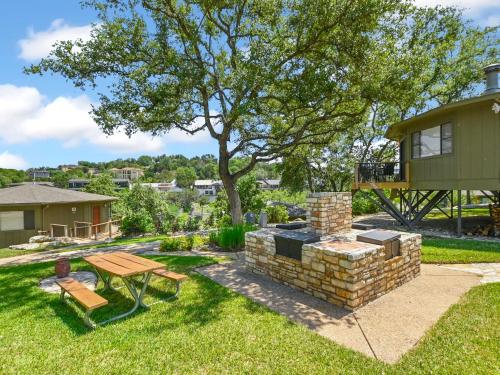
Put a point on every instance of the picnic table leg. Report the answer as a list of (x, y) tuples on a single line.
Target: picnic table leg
[(107, 279), (136, 294)]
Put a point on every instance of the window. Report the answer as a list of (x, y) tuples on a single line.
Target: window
[(11, 220), (431, 142), (17, 220)]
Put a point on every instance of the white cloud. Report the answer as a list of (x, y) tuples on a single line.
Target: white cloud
[(469, 4), (8, 160), (27, 116), (38, 44), (484, 12)]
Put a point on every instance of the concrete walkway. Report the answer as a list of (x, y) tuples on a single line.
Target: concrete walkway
[(145, 248), (384, 329), (52, 255)]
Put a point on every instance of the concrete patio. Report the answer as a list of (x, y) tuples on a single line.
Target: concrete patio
[(385, 329)]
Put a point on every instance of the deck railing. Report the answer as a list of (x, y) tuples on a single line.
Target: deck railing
[(378, 174)]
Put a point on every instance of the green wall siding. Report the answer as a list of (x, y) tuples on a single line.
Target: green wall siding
[(474, 163)]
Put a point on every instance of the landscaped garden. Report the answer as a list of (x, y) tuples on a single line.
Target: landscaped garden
[(210, 329)]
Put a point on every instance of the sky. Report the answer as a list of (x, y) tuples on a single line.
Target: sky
[(45, 121)]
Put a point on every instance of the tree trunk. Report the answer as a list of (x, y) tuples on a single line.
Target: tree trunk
[(234, 202), (230, 187)]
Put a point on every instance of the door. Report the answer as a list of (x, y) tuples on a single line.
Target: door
[(96, 218), (402, 159)]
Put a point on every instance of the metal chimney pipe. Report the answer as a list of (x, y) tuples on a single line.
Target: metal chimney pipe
[(492, 72)]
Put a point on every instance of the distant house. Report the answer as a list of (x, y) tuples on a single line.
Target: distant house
[(127, 173), (163, 186), (67, 167), (39, 173), (27, 209), (208, 188), (80, 183), (269, 184)]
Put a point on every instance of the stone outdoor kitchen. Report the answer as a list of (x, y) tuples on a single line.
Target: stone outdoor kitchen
[(330, 259)]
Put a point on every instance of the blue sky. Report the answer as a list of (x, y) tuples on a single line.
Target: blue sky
[(44, 121)]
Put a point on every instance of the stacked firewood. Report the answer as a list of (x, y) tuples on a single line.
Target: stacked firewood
[(482, 230), (495, 215)]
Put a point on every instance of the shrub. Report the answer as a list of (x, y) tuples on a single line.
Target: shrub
[(137, 223), (231, 237), (182, 243), (276, 214), (362, 205)]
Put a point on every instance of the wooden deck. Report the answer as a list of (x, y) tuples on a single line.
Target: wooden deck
[(381, 185), (361, 182)]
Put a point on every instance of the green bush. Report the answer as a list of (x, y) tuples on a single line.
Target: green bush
[(182, 243), (276, 214), (231, 237), (137, 223), (362, 205)]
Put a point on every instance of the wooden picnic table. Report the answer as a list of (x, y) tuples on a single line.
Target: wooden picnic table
[(127, 267)]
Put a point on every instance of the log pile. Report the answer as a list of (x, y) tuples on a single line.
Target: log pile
[(495, 215)]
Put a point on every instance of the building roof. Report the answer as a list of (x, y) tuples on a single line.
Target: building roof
[(269, 181), (40, 194), (395, 129), (203, 182)]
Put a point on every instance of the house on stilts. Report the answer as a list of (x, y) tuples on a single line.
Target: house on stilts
[(452, 148)]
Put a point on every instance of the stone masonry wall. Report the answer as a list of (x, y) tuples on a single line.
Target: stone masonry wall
[(329, 212), (346, 273)]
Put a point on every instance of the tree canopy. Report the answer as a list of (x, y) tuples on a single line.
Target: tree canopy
[(262, 78)]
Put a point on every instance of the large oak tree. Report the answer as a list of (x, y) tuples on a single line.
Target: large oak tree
[(262, 77)]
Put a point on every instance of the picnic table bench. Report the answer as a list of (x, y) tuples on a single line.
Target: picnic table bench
[(126, 266)]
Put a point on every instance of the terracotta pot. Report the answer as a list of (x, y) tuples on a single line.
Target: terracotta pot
[(62, 267)]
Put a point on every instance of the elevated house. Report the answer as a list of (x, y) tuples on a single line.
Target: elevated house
[(27, 210), (454, 147)]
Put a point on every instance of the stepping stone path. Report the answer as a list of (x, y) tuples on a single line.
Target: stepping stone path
[(489, 271), (89, 279)]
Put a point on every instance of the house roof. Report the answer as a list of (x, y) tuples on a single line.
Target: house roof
[(395, 129), (203, 182), (40, 194)]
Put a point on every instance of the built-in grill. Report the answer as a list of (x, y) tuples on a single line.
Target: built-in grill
[(289, 244), (291, 226), (382, 237)]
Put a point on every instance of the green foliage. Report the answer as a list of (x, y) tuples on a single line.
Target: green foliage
[(276, 214), (9, 176), (250, 196), (285, 196), (101, 184), (183, 199), (231, 237), (185, 177), (361, 205), (182, 243), (251, 200), (149, 202), (60, 180), (137, 222)]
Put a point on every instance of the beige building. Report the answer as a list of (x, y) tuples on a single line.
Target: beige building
[(127, 173), (28, 209)]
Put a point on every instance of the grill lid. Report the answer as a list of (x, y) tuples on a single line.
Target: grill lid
[(378, 237)]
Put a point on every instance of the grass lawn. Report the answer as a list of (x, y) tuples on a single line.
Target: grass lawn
[(466, 212), (212, 330), (444, 250), (125, 241), (7, 253)]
